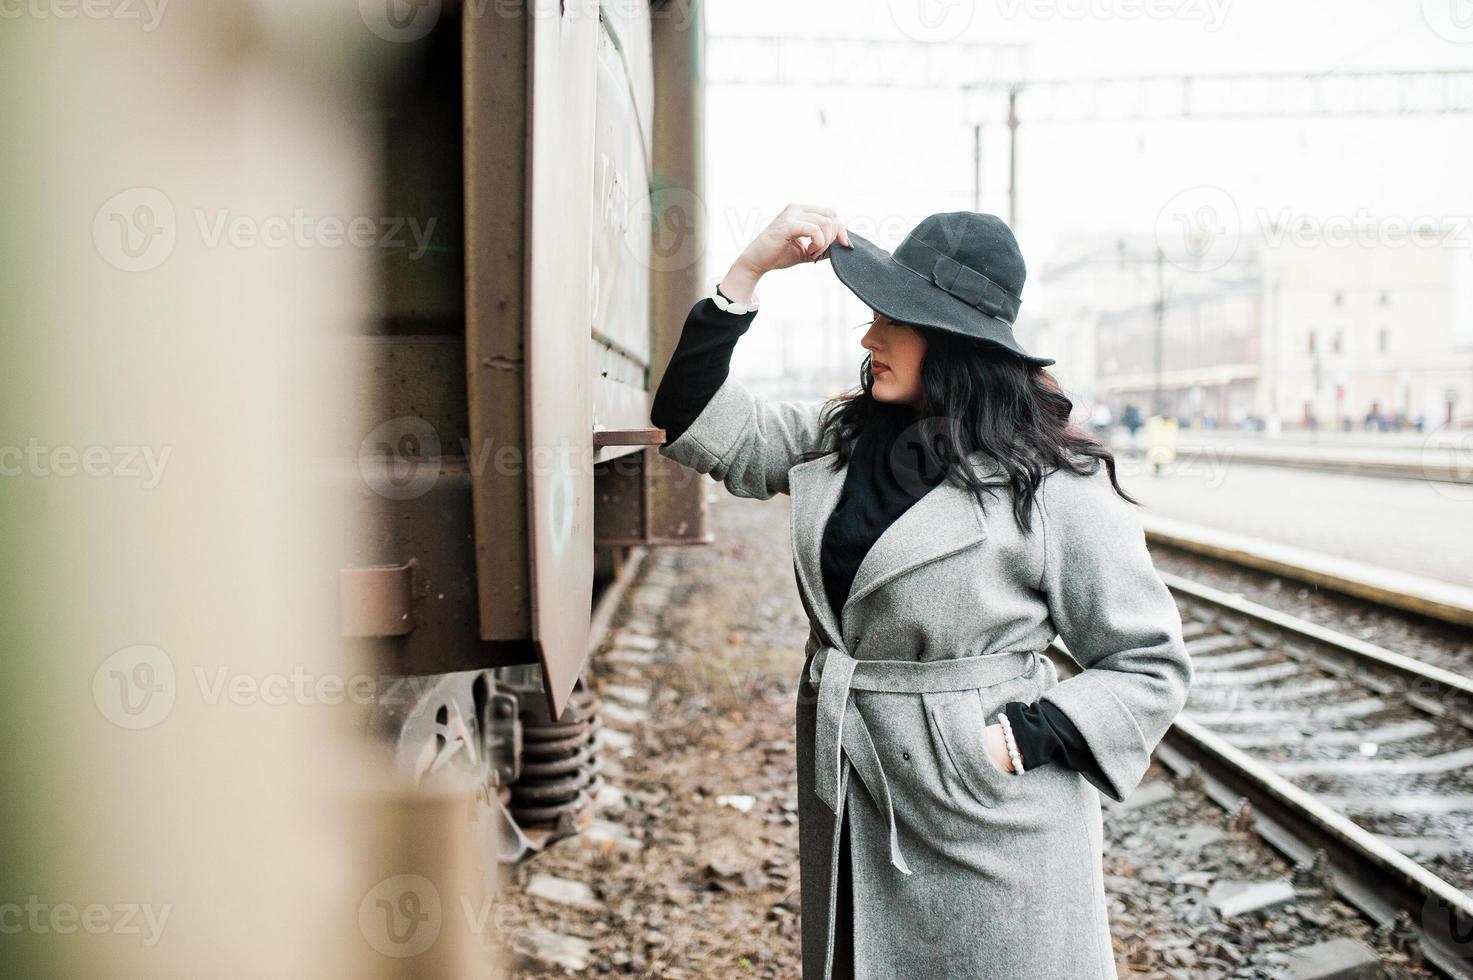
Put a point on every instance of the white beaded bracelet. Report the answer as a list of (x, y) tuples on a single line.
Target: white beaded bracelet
[(1012, 743), (728, 305)]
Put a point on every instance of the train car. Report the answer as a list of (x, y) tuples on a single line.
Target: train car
[(508, 469)]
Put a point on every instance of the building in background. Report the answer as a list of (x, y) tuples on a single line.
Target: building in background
[(1364, 328), (1342, 327)]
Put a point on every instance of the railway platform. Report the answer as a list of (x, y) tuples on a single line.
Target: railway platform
[(690, 865), (1392, 525), (1426, 596), (1439, 454)]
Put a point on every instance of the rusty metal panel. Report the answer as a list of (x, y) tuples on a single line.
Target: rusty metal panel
[(551, 313), (621, 230), (558, 468), (422, 270), (678, 218), (621, 501), (414, 506), (494, 60), (377, 602), (416, 376), (628, 28)]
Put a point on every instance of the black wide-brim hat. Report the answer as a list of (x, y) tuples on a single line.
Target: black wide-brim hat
[(958, 271)]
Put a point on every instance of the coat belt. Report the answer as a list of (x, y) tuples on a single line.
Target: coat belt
[(841, 731)]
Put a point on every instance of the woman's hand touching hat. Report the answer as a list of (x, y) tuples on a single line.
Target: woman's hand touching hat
[(799, 233)]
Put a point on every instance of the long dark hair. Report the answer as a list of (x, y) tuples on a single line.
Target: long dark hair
[(977, 396)]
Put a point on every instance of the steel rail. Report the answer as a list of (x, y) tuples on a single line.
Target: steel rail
[(1369, 874), (1430, 688), (1373, 877)]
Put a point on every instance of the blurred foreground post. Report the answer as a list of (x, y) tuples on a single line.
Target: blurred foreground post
[(185, 763)]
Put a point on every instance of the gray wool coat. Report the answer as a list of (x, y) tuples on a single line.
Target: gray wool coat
[(959, 868)]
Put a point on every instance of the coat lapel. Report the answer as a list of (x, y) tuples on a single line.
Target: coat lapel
[(946, 520)]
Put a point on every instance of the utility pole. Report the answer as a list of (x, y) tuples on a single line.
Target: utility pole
[(1273, 424), (1157, 398), (977, 167), (1013, 159)]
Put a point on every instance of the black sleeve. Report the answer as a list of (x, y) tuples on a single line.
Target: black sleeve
[(698, 367), (1045, 734)]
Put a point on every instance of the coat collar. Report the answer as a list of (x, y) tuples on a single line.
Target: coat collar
[(944, 521)]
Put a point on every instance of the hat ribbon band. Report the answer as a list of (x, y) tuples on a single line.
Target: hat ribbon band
[(974, 288)]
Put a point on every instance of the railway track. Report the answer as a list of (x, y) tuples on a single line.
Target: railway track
[(1339, 746)]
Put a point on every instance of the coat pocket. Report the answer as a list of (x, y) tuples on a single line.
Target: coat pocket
[(959, 720)]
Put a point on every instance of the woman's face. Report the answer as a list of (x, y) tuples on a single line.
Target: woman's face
[(896, 353)]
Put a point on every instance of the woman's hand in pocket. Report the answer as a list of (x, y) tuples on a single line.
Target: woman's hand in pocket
[(997, 747)]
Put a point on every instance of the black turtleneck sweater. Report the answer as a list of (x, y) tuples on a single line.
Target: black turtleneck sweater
[(875, 493)]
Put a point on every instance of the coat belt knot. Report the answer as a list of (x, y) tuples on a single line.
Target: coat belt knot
[(841, 732)]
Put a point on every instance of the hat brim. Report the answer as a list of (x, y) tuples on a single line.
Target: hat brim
[(888, 287)]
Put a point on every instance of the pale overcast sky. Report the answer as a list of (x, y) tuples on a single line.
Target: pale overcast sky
[(887, 159)]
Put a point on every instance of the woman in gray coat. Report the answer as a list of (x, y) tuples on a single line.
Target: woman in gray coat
[(949, 522)]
